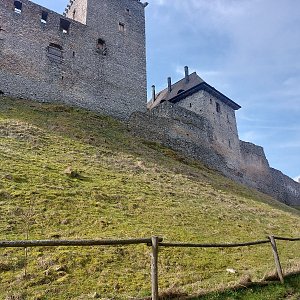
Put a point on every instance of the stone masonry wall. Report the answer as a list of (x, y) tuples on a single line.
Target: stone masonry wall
[(193, 135), (183, 131), (225, 134), (254, 162), (77, 10), (259, 175), (285, 188), (86, 78)]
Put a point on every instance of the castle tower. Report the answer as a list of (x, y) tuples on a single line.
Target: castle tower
[(118, 33), (193, 94), (93, 56)]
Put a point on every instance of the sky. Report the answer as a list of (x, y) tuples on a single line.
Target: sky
[(247, 49)]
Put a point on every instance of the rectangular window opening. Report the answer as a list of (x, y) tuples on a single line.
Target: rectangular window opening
[(18, 7), (55, 53), (101, 47), (64, 26), (44, 17), (218, 107), (121, 27)]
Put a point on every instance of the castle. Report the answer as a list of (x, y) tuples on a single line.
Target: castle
[(197, 120), (94, 57)]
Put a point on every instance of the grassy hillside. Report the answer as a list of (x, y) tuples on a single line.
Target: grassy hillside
[(275, 291), (69, 173)]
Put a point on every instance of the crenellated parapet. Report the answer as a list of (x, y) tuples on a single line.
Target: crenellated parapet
[(71, 2), (68, 7)]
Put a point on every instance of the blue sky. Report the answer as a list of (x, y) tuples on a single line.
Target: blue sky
[(247, 49)]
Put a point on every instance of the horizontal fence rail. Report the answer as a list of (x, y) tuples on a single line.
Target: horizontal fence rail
[(286, 239), (187, 245), (155, 243), (57, 243)]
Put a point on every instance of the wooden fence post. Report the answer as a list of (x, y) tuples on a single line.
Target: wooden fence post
[(276, 258), (154, 268)]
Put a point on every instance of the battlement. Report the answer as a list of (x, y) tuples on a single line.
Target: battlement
[(69, 5), (72, 3), (37, 18), (77, 10)]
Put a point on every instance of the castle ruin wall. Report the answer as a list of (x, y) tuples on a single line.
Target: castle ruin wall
[(261, 176), (193, 136), (254, 161), (285, 188), (181, 130), (79, 73)]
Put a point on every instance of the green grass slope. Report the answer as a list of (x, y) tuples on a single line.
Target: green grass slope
[(68, 173), (275, 291)]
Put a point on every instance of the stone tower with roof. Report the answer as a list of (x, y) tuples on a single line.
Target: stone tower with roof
[(93, 56), (193, 94)]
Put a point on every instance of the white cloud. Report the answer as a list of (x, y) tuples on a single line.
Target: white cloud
[(291, 144), (159, 2)]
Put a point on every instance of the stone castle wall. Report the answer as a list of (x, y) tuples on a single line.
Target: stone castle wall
[(225, 135), (183, 131), (193, 135), (77, 10), (113, 82), (261, 176), (254, 162)]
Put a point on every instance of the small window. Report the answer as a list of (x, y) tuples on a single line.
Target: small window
[(1, 34), (1, 92), (55, 53), (210, 101), (190, 105), (18, 7), (218, 107), (57, 46), (64, 26), (44, 17), (128, 11), (121, 27), (229, 143), (74, 14), (101, 47), (74, 53)]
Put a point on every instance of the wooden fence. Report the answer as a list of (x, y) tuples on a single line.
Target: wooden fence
[(155, 243)]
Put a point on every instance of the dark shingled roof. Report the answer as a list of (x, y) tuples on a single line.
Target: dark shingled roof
[(183, 89)]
